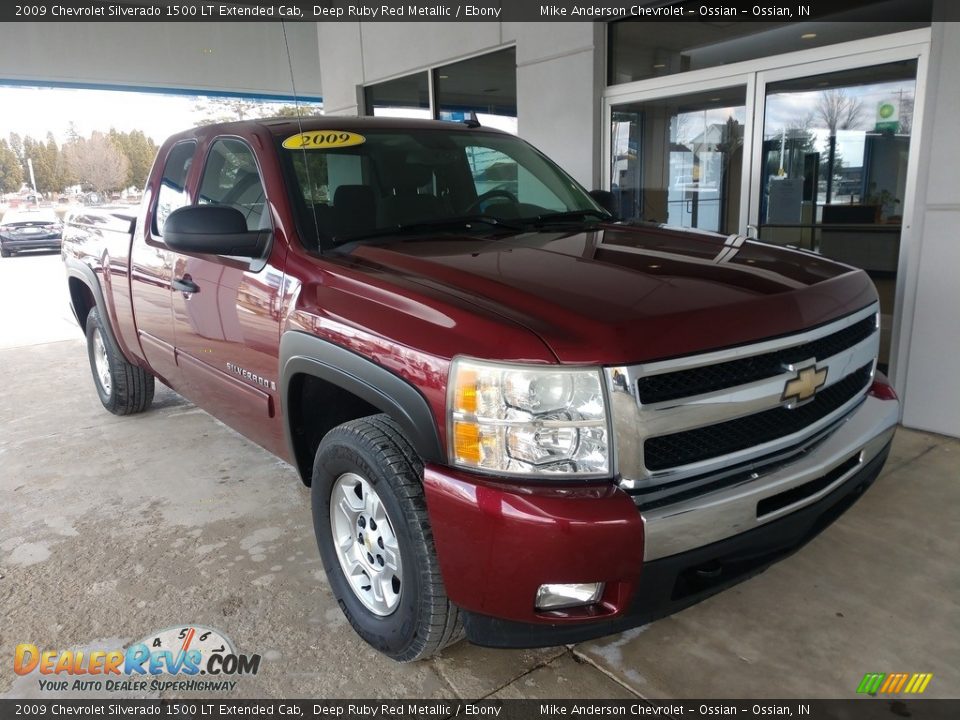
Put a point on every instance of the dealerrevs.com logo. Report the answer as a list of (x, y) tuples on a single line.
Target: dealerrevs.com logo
[(171, 659)]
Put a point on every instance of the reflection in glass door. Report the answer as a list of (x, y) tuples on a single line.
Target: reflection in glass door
[(678, 160), (833, 171), (809, 149)]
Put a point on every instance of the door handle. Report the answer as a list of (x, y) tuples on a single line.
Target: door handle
[(185, 285)]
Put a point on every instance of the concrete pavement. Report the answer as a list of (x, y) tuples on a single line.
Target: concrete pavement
[(111, 528)]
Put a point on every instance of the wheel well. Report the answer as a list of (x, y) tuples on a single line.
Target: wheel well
[(315, 407), (82, 299)]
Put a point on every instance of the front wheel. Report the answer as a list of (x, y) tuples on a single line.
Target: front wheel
[(4, 252), (123, 388), (371, 523)]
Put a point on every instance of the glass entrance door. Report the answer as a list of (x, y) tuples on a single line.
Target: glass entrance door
[(833, 166), (796, 150), (679, 160)]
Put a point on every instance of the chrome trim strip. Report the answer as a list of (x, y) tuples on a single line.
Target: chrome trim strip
[(760, 348), (633, 422), (708, 518)]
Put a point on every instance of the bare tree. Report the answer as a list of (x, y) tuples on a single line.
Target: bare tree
[(97, 163), (906, 114), (838, 110), (219, 110), (226, 109)]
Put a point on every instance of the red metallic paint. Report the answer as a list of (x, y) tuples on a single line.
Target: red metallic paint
[(659, 295), (881, 387), (613, 296), (497, 543)]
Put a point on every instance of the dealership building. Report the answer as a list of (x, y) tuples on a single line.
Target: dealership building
[(837, 135)]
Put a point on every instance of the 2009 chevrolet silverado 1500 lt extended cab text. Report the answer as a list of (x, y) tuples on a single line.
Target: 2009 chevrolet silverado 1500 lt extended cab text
[(521, 420)]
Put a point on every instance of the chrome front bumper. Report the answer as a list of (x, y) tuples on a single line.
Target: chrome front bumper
[(707, 518)]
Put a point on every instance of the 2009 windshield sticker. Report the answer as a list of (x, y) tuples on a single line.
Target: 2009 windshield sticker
[(323, 140)]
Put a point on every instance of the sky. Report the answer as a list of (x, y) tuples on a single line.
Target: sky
[(786, 109), (37, 111)]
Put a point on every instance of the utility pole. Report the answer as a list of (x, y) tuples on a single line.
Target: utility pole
[(33, 183)]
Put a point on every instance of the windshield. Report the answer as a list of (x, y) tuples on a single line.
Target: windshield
[(396, 180)]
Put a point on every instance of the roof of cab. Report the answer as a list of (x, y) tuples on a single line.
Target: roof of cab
[(284, 127)]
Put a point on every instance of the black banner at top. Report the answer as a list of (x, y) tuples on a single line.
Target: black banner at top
[(478, 11)]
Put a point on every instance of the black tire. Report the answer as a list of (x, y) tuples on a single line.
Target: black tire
[(424, 620), (5, 253), (130, 389)]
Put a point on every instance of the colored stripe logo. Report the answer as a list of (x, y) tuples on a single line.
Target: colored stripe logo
[(893, 683)]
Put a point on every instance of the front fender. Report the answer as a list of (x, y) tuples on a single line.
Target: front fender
[(301, 353)]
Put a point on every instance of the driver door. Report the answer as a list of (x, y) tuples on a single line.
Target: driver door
[(226, 310)]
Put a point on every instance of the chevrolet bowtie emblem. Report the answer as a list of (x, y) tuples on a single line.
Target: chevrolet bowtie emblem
[(804, 386)]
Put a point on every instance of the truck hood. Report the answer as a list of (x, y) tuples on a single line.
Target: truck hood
[(625, 294)]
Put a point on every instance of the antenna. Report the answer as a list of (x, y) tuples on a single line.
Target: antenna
[(472, 122), (306, 162)]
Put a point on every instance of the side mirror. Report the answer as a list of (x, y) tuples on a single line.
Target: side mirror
[(213, 230), (605, 199)]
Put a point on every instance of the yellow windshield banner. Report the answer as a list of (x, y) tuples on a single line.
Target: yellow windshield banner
[(323, 140)]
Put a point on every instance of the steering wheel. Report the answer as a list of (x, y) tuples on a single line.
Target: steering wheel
[(477, 205)]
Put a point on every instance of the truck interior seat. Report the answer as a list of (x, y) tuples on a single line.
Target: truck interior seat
[(354, 210), (407, 204)]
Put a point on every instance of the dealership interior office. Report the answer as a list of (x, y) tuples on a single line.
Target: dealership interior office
[(839, 136)]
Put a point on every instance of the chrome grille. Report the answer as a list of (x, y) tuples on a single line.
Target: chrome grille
[(732, 410), (690, 446), (697, 381)]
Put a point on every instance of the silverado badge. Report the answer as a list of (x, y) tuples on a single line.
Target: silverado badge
[(804, 386)]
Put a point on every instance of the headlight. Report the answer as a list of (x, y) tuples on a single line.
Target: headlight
[(527, 419)]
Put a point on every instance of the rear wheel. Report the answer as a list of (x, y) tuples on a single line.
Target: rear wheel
[(374, 536), (123, 388)]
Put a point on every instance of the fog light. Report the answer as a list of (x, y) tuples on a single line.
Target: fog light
[(556, 596)]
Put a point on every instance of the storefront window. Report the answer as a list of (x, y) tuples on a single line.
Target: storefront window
[(834, 170), (678, 160), (485, 85), (640, 50), (404, 97)]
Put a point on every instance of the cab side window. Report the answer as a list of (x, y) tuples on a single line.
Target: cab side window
[(231, 178), (173, 191)]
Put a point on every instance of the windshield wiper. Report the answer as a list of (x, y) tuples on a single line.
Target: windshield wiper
[(454, 223), (570, 216)]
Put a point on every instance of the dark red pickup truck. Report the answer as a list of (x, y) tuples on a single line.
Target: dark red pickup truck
[(521, 420)]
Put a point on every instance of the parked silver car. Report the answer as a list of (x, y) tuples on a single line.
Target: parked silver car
[(29, 229)]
